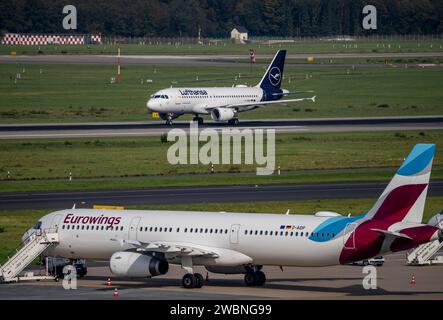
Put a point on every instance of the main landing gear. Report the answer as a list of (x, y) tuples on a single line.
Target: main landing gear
[(255, 278), (233, 122), (169, 120), (198, 119), (190, 280)]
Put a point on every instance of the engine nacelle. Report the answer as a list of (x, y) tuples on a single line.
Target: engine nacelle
[(222, 114), (133, 264)]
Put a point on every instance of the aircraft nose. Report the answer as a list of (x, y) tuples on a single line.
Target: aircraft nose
[(152, 105)]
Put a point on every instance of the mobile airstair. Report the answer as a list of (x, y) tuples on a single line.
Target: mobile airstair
[(23, 256), (427, 253)]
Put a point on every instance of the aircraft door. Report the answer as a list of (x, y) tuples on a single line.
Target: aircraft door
[(55, 223), (133, 226), (349, 236), (234, 233)]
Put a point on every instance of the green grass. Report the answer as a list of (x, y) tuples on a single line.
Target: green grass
[(15, 223), (230, 48), (82, 93), (141, 156)]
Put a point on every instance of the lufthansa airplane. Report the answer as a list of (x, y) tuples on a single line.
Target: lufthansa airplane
[(226, 102), (144, 243)]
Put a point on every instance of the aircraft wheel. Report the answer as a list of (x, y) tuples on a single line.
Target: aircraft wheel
[(250, 278), (261, 278), (233, 122), (198, 280), (169, 122), (189, 281), (199, 120)]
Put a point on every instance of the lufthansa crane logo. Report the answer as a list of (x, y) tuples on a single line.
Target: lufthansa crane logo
[(275, 76)]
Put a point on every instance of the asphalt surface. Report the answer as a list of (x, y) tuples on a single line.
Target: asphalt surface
[(103, 129), (338, 282), (180, 195), (197, 59)]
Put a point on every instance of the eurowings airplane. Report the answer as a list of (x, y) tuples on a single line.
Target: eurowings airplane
[(144, 243), (223, 103)]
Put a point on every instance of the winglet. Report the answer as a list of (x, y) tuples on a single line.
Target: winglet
[(313, 98)]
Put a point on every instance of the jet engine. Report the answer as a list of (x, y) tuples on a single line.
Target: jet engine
[(222, 114), (133, 264)]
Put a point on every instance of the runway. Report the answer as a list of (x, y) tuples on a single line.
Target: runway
[(338, 282), (155, 128), (184, 195), (200, 60)]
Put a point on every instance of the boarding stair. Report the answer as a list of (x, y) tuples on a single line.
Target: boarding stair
[(427, 253), (23, 256)]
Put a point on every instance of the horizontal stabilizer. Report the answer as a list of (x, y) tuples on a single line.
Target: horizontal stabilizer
[(392, 234)]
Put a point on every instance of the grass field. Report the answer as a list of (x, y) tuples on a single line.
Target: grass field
[(29, 161), (82, 93), (14, 223), (231, 48)]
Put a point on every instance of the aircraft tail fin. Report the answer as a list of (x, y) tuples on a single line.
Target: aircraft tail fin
[(274, 74), (404, 197)]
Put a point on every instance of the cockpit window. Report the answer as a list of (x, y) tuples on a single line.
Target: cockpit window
[(37, 225), (160, 96)]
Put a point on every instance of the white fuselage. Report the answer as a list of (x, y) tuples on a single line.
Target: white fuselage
[(258, 236), (198, 100)]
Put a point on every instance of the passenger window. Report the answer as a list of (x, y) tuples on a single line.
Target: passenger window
[(67, 227), (103, 227), (186, 230), (78, 227), (121, 228), (63, 226), (178, 229), (246, 232), (83, 227), (141, 228), (190, 230), (261, 232), (256, 232)]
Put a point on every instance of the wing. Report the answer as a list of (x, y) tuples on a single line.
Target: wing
[(170, 249), (259, 104)]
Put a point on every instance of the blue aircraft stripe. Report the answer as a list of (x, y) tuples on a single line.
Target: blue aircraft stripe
[(334, 225)]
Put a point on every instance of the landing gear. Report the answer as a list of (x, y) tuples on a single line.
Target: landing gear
[(169, 121), (190, 280), (233, 122), (198, 119), (256, 278)]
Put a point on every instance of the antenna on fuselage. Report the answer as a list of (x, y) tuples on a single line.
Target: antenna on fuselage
[(287, 212), (73, 207)]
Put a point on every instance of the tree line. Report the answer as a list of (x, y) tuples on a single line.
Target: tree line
[(216, 18)]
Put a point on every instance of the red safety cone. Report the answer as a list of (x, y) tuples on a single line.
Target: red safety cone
[(413, 280), (115, 293), (109, 282)]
